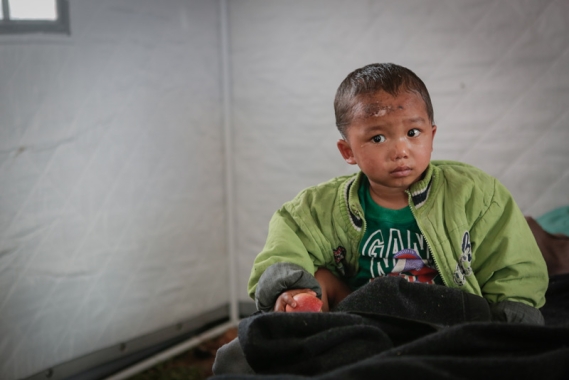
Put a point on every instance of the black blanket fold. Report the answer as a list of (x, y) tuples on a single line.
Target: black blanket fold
[(401, 337), (312, 343), (466, 351)]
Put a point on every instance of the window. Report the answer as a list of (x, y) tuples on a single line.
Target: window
[(34, 16)]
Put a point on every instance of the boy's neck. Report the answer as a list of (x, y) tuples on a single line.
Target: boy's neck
[(394, 199)]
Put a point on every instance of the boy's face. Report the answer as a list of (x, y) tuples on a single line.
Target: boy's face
[(390, 139)]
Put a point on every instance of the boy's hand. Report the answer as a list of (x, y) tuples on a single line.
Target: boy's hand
[(286, 298)]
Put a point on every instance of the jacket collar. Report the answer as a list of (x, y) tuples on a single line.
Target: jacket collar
[(419, 192)]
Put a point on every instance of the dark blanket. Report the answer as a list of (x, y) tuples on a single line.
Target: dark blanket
[(448, 337)]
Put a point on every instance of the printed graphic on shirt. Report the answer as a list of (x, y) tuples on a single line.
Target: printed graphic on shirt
[(392, 245), (404, 253)]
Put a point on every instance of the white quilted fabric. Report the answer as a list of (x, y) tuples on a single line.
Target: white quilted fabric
[(111, 204)]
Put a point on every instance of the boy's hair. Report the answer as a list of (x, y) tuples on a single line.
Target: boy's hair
[(370, 79)]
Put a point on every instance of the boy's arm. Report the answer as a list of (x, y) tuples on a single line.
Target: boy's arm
[(509, 265), (288, 260)]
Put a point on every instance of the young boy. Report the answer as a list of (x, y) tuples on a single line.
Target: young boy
[(437, 222)]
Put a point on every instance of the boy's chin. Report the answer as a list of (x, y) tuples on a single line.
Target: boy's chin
[(399, 182)]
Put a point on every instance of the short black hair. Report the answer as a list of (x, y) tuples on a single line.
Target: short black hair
[(370, 79)]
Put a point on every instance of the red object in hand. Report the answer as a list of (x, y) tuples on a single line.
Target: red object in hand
[(305, 302)]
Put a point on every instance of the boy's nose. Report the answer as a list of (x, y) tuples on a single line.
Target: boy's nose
[(400, 149)]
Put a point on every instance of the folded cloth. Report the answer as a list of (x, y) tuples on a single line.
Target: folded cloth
[(554, 248), (555, 221)]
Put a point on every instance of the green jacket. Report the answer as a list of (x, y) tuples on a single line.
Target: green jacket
[(479, 238)]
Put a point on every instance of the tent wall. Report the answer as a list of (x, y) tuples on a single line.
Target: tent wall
[(497, 71), (111, 179)]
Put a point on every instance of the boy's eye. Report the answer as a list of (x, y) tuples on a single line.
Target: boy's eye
[(378, 139), (413, 132)]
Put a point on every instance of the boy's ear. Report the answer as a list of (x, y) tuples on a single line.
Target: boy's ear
[(346, 151), (433, 136)]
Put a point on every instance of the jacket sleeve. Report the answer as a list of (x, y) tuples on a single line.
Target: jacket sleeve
[(293, 238), (280, 277), (509, 265), (516, 312)]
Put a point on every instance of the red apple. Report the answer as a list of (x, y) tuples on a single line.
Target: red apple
[(305, 302)]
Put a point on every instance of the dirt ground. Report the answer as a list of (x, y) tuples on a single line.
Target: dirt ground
[(194, 364)]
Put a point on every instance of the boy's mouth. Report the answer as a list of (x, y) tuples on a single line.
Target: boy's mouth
[(401, 171)]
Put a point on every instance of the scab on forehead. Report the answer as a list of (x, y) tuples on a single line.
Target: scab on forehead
[(366, 109)]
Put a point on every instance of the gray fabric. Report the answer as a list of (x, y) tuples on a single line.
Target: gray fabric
[(230, 359), (280, 277), (516, 312)]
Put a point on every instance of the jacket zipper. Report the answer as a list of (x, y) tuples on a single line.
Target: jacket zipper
[(412, 207)]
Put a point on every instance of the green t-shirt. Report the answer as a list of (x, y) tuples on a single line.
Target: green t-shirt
[(393, 245)]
